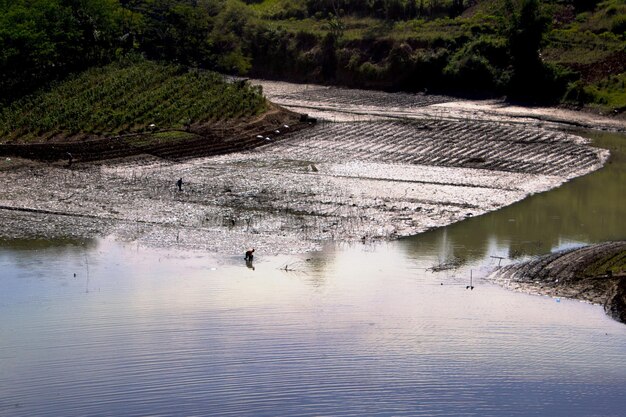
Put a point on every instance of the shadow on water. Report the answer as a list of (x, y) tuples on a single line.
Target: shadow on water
[(60, 245), (586, 210)]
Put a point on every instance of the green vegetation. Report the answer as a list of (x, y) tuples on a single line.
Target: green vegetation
[(43, 40), (546, 51), (550, 51), (129, 96)]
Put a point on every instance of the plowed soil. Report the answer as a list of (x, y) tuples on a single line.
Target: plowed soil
[(375, 166)]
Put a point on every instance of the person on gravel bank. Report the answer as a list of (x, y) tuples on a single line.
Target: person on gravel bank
[(179, 183)]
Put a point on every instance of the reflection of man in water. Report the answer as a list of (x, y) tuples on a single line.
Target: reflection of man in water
[(249, 264), (179, 183)]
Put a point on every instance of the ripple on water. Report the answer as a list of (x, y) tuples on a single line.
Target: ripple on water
[(363, 333)]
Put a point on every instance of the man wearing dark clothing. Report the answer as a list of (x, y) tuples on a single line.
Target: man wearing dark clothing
[(179, 183), (249, 255)]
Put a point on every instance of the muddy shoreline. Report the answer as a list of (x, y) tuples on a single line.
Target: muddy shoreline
[(376, 166), (583, 274)]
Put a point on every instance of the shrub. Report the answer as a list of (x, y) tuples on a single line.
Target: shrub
[(618, 25), (472, 73), (578, 94), (371, 72)]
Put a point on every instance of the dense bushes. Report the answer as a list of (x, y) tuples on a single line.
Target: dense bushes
[(42, 40)]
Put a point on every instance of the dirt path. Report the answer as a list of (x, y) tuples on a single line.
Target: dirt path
[(579, 274), (363, 175)]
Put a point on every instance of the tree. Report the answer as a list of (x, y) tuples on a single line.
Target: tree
[(40, 40), (457, 8), (525, 38), (329, 56), (226, 39), (411, 9)]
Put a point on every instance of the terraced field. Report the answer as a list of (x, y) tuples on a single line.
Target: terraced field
[(500, 147), (365, 171)]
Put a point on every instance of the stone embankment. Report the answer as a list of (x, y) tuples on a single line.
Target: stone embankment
[(593, 273)]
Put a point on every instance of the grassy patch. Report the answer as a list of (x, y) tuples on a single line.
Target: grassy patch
[(356, 28), (173, 135), (432, 31), (610, 93), (614, 262), (608, 16), (571, 46), (169, 137)]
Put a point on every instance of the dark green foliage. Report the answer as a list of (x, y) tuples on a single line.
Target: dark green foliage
[(43, 40), (577, 94), (618, 25), (329, 57), (470, 70), (206, 33), (271, 51), (457, 8), (388, 9), (524, 40), (175, 30)]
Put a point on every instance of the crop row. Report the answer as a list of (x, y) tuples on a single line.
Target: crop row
[(123, 97)]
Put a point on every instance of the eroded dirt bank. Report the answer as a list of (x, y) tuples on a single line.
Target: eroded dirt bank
[(375, 173), (592, 273)]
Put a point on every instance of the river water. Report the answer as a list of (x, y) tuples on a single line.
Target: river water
[(100, 328)]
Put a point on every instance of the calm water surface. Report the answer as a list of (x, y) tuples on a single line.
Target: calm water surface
[(354, 330)]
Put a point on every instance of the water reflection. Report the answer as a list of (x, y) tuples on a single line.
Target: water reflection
[(588, 209), (364, 330), (356, 330)]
